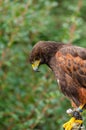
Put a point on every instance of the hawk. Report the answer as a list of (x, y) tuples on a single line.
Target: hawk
[(68, 63)]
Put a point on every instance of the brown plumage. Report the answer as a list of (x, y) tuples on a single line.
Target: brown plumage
[(68, 62)]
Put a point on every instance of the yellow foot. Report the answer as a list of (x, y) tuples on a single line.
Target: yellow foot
[(72, 123)]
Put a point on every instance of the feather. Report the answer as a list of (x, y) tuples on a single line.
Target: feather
[(68, 63)]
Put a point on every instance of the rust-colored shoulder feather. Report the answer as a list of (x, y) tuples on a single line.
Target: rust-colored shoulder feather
[(72, 63)]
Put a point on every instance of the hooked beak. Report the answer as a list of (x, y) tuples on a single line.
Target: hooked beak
[(35, 65)]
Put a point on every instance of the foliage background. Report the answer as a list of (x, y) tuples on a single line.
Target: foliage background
[(28, 100)]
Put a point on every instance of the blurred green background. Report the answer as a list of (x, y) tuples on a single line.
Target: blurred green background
[(28, 100)]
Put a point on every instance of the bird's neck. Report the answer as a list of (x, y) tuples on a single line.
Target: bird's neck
[(53, 65), (50, 51)]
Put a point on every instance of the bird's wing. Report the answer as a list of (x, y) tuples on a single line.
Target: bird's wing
[(74, 51), (72, 61)]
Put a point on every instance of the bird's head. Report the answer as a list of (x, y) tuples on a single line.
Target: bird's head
[(42, 53), (36, 56)]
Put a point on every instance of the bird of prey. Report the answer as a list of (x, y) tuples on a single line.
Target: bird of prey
[(68, 63)]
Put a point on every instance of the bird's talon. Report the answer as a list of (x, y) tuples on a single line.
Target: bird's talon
[(72, 123)]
